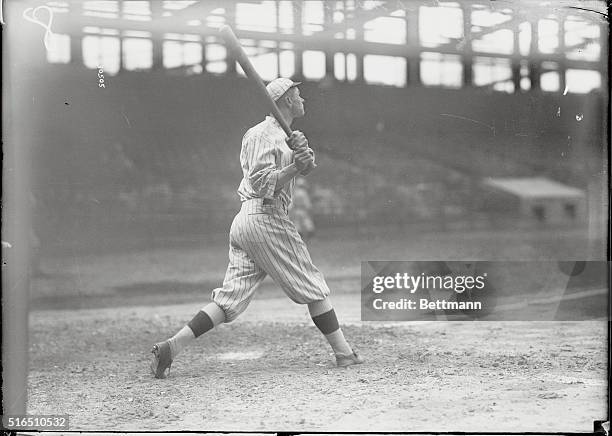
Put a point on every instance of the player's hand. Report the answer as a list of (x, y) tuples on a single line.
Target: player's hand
[(297, 140), (303, 158), (311, 152)]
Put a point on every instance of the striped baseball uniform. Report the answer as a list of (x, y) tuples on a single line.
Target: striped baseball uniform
[(263, 240)]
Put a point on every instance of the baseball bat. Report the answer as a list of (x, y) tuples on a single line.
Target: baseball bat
[(235, 47)]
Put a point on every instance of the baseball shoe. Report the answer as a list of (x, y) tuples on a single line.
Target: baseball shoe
[(161, 360), (344, 360)]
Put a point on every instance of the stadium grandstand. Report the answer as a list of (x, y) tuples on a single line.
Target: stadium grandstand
[(411, 105)]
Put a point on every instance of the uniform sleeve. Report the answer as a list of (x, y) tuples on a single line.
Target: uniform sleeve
[(262, 171)]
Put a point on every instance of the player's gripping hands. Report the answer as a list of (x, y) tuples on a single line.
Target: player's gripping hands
[(303, 158), (304, 155), (297, 140)]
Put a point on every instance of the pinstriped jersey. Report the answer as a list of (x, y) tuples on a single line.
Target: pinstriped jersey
[(264, 153)]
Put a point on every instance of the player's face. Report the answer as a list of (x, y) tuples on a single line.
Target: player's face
[(298, 103)]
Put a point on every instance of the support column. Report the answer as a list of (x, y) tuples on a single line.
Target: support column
[(413, 72), (204, 61), (230, 19), (604, 35), (516, 74), (157, 37), (358, 37), (76, 39), (278, 43), (466, 57), (534, 63), (516, 56), (328, 20), (297, 30), (562, 63), (121, 62)]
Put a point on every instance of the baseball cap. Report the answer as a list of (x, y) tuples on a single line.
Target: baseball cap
[(278, 87)]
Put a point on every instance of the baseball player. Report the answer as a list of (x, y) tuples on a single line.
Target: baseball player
[(263, 241)]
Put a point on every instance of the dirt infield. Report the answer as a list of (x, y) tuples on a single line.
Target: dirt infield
[(269, 376), (95, 318)]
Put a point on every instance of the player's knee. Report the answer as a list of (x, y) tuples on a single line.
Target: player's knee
[(319, 307), (234, 311)]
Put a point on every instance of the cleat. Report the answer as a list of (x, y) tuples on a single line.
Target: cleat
[(344, 360), (161, 360)]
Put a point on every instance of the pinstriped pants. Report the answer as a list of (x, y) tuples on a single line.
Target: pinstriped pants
[(264, 241)]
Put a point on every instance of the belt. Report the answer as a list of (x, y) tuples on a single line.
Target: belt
[(276, 203)]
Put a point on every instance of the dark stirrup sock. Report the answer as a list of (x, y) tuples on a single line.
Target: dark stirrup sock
[(326, 322), (201, 323)]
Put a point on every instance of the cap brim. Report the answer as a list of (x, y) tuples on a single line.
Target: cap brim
[(296, 84)]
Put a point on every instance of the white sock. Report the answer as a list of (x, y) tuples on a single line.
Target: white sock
[(338, 343), (180, 340)]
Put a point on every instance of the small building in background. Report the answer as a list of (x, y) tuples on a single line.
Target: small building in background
[(534, 200)]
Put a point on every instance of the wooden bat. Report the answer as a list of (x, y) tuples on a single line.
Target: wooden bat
[(234, 46)]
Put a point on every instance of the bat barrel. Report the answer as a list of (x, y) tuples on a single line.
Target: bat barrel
[(233, 45)]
